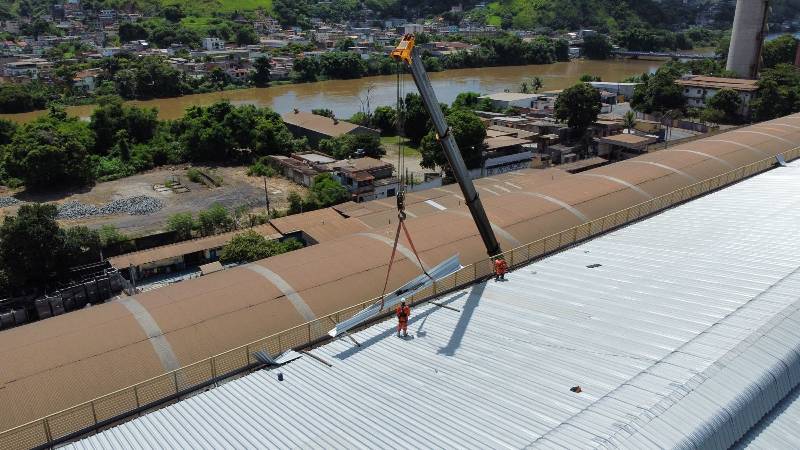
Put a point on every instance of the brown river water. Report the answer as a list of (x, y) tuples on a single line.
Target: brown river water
[(345, 97)]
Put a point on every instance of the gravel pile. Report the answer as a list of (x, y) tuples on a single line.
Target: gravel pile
[(139, 205), (8, 201)]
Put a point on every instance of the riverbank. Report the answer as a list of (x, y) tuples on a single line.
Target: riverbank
[(343, 96)]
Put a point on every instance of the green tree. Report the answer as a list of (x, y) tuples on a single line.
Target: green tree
[(81, 246), (261, 76), (295, 203), (345, 44), (112, 116), (246, 35), (659, 93), (778, 93), (326, 191), (324, 112), (586, 78), (215, 219), (415, 118), (173, 13), (130, 31), (183, 224), (779, 51), (360, 118), (728, 102), (110, 236), (218, 77), (47, 153), (385, 119), (578, 106), (536, 84), (306, 69), (469, 133), (17, 98), (472, 101), (341, 65), (596, 46), (251, 246), (347, 145), (7, 131), (31, 245), (629, 120)]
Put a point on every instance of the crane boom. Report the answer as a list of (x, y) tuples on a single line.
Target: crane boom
[(405, 53)]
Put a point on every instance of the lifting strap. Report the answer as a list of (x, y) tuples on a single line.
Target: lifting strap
[(401, 215)]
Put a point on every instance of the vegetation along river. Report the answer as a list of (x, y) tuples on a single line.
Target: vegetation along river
[(345, 97)]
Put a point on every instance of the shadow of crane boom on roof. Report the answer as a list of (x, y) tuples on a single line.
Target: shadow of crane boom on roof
[(463, 321), (421, 318)]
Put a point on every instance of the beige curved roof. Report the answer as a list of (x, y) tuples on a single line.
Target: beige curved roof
[(59, 362)]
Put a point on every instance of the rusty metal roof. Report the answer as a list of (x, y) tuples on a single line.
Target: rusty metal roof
[(320, 124), (183, 248), (736, 84), (72, 358)]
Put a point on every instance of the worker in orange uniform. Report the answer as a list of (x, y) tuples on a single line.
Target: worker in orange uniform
[(403, 312), (500, 269)]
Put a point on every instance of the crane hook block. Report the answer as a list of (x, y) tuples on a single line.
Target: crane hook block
[(401, 204)]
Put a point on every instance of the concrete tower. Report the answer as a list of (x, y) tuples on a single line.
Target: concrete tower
[(749, 29)]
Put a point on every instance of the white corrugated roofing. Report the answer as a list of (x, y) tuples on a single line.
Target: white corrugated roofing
[(778, 429), (685, 335)]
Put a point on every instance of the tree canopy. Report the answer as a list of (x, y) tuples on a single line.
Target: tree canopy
[(729, 105), (578, 106), (51, 153), (781, 50), (778, 93), (34, 250), (658, 93), (469, 133), (251, 246)]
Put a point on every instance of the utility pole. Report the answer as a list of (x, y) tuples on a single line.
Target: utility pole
[(266, 197)]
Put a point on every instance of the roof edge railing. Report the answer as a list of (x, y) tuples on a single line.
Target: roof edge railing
[(106, 410)]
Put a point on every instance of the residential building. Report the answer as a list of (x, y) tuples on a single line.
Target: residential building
[(699, 89), (303, 167), (86, 79), (504, 154), (623, 145), (317, 128), (413, 28), (365, 178), (534, 102), (107, 16), (31, 68), (620, 89), (296, 170), (213, 43), (10, 26)]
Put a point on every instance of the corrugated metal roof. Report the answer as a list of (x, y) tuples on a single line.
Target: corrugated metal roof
[(680, 329), (778, 429), (186, 247), (208, 315)]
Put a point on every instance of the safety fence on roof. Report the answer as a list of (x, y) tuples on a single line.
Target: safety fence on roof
[(116, 406)]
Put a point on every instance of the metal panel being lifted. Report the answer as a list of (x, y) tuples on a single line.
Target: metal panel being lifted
[(444, 269)]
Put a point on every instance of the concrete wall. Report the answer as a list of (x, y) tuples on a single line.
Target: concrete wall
[(747, 38)]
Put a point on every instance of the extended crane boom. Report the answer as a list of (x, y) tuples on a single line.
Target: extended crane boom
[(405, 53)]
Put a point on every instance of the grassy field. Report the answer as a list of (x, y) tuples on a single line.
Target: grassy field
[(391, 146), (207, 7)]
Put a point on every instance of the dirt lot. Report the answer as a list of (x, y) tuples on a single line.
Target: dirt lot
[(237, 189)]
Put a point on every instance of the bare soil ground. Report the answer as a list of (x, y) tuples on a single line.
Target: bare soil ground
[(237, 189)]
